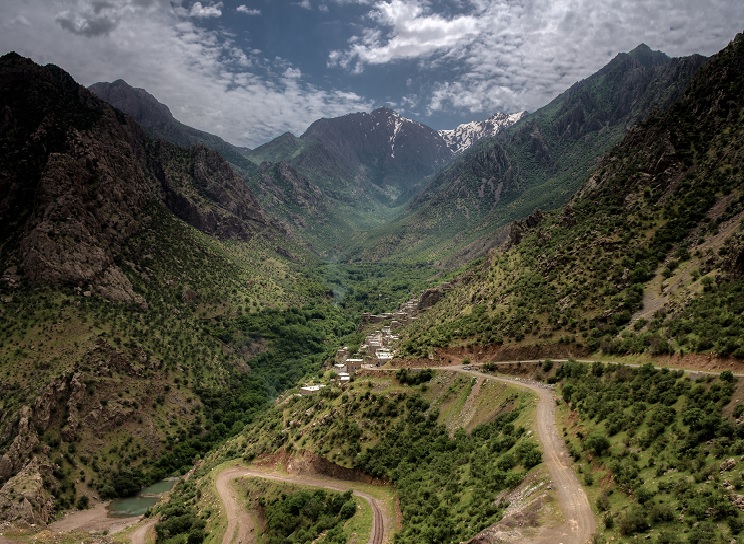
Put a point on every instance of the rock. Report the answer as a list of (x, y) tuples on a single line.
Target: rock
[(23, 444), (24, 497), (727, 465)]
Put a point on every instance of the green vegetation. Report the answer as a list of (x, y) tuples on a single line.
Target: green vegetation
[(178, 521), (636, 234), (389, 430), (659, 450), (375, 287), (305, 515), (219, 317)]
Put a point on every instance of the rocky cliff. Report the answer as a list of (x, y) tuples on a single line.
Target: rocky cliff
[(77, 178)]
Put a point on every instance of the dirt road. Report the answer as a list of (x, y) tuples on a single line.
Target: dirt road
[(579, 524), (240, 529), (143, 533)]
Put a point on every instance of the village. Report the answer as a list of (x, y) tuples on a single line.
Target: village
[(379, 347)]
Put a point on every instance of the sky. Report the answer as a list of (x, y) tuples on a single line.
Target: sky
[(250, 70)]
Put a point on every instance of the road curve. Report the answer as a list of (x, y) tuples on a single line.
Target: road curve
[(239, 520), (579, 525), (141, 534)]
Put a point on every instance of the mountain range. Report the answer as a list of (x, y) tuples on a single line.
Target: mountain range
[(403, 191), (645, 258), (346, 174), (160, 286)]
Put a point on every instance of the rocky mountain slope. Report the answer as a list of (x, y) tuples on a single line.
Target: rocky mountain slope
[(158, 121), (646, 258), (539, 163), (366, 166), (139, 282)]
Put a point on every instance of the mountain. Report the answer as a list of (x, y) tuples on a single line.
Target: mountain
[(158, 121), (538, 163), (384, 154), (465, 136), (367, 166), (646, 258), (140, 283), (66, 211), (344, 175)]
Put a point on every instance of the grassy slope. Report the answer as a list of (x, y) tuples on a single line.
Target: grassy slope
[(155, 379), (412, 435)]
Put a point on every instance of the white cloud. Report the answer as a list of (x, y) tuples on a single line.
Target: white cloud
[(519, 54), (212, 10), (205, 79), (245, 9), (305, 4), (406, 29)]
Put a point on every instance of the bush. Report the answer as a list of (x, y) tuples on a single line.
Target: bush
[(634, 521), (597, 443)]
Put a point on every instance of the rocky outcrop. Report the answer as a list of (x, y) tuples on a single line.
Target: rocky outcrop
[(26, 439), (521, 227), (25, 498), (136, 102), (430, 297), (201, 188), (65, 156), (77, 183)]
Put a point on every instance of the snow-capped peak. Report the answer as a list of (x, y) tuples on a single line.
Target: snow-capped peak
[(464, 136)]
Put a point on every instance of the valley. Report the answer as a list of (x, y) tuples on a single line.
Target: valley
[(525, 329)]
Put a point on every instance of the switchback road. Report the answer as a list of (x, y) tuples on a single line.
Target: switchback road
[(240, 528)]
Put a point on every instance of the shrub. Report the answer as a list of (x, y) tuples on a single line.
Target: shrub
[(634, 521), (597, 443)]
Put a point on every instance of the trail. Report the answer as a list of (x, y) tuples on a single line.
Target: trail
[(143, 532), (579, 525), (240, 528)]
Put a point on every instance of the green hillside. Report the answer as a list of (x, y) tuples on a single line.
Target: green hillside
[(646, 258), (448, 444)]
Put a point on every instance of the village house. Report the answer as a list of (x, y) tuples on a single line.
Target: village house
[(311, 389), (383, 355), (342, 354), (353, 365)]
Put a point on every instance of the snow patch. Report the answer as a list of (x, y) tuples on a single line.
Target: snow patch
[(463, 137)]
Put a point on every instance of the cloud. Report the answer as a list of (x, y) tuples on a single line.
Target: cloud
[(305, 4), (205, 78), (96, 18), (244, 9), (404, 30), (520, 54), (212, 10)]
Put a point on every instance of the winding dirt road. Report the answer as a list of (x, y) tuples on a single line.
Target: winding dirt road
[(240, 528), (142, 535), (579, 525)]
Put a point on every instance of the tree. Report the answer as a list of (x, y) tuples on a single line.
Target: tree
[(597, 443)]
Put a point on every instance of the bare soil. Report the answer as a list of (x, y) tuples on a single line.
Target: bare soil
[(92, 520)]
